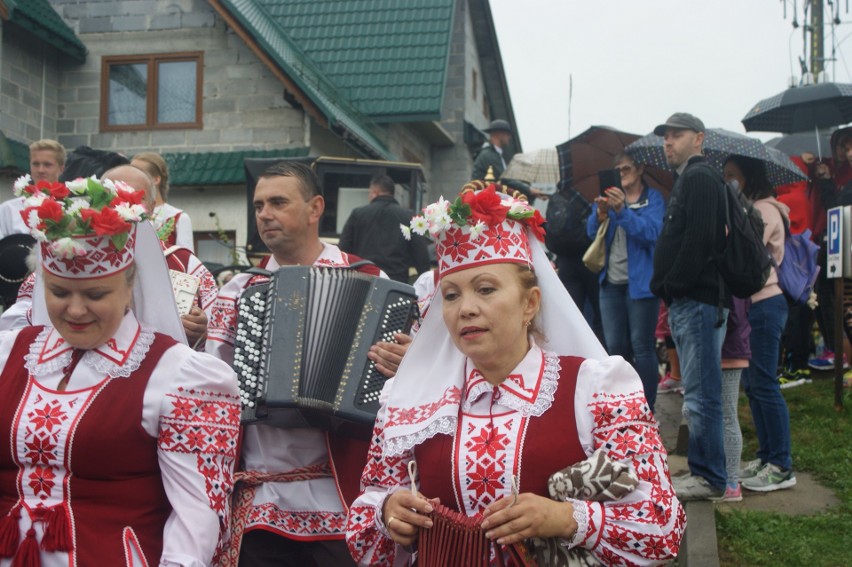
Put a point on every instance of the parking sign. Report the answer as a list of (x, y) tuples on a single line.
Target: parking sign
[(834, 262)]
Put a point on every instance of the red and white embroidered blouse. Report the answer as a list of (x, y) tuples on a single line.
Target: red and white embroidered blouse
[(490, 444)]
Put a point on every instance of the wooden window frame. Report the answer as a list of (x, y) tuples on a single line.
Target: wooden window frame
[(151, 102)]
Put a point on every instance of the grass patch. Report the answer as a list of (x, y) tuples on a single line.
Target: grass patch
[(822, 446)]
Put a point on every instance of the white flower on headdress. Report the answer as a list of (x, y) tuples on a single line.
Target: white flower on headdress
[(131, 213), (440, 224), (437, 209), (33, 220), (22, 182), (477, 230), (77, 205), (108, 184), (118, 184), (518, 207), (78, 186), (406, 231), (419, 225), (67, 248), (35, 200)]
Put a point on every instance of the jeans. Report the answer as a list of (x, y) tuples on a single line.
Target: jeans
[(768, 408), (628, 325), (699, 347)]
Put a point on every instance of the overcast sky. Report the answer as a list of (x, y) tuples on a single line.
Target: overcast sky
[(635, 62)]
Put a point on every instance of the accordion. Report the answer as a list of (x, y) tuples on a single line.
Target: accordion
[(302, 341)]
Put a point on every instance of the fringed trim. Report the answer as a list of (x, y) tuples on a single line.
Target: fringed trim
[(57, 529), (399, 445), (28, 553), (92, 359), (10, 534)]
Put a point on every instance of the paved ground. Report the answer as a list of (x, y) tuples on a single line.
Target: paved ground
[(807, 497)]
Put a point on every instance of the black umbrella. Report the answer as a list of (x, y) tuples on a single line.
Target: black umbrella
[(801, 142), (802, 109)]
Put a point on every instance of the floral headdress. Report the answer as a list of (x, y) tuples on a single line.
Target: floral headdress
[(483, 225), (86, 227)]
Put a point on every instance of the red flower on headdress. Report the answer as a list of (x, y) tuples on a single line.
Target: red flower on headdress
[(105, 222), (50, 210), (485, 206), (536, 224), (127, 197), (57, 189)]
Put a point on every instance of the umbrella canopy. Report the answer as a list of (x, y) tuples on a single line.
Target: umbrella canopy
[(718, 145), (539, 167), (801, 109), (583, 156), (801, 142)]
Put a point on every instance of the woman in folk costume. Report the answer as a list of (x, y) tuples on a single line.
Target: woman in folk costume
[(503, 390), (120, 439)]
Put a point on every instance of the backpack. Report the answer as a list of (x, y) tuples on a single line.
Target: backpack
[(745, 263), (799, 269), (565, 231)]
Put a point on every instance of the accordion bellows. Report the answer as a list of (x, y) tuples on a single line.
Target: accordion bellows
[(302, 342)]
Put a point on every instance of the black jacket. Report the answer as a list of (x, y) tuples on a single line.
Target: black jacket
[(693, 231), (373, 232)]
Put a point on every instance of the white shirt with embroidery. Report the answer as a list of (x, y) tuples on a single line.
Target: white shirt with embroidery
[(183, 226), (186, 390), (644, 528), (306, 509)]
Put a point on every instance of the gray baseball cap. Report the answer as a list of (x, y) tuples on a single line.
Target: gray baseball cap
[(498, 125), (680, 121)]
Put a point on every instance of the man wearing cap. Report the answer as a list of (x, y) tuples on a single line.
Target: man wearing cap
[(690, 284), (491, 155)]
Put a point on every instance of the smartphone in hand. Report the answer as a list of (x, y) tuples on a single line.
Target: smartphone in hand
[(608, 178)]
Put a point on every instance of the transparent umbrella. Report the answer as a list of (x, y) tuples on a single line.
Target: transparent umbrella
[(539, 167)]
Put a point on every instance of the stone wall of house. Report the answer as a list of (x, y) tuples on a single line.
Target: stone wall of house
[(243, 104), (29, 85)]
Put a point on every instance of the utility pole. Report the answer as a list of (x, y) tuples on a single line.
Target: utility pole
[(817, 42)]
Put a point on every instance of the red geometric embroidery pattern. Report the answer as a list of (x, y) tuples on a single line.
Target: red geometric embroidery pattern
[(404, 416), (306, 524), (368, 547)]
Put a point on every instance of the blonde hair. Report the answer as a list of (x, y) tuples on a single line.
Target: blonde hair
[(156, 166), (528, 280), (52, 146)]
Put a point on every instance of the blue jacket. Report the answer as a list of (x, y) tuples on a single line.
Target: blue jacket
[(642, 223)]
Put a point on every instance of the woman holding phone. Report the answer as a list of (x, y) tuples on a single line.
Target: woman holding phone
[(628, 308)]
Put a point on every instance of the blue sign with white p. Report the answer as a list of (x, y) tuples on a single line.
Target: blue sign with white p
[(834, 256), (834, 230)]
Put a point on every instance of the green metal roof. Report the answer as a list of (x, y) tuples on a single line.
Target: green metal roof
[(218, 168), (39, 18), (14, 154), (389, 58), (343, 118)]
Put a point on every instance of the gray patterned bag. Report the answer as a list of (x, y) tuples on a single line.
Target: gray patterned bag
[(597, 479)]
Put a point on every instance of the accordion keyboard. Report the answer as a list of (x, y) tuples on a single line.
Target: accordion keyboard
[(250, 350)]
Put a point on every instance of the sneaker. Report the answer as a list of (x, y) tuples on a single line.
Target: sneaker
[(826, 361), (750, 469), (688, 488), (668, 384), (786, 382), (732, 494), (771, 477), (823, 362)]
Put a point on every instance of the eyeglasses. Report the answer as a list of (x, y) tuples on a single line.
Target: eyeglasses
[(624, 169)]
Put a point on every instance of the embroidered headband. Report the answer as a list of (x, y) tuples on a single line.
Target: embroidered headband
[(86, 228), (483, 225)]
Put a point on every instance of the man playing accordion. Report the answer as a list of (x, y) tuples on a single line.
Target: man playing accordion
[(297, 484)]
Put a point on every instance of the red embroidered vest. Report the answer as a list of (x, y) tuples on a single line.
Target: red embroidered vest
[(549, 443), (113, 492)]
